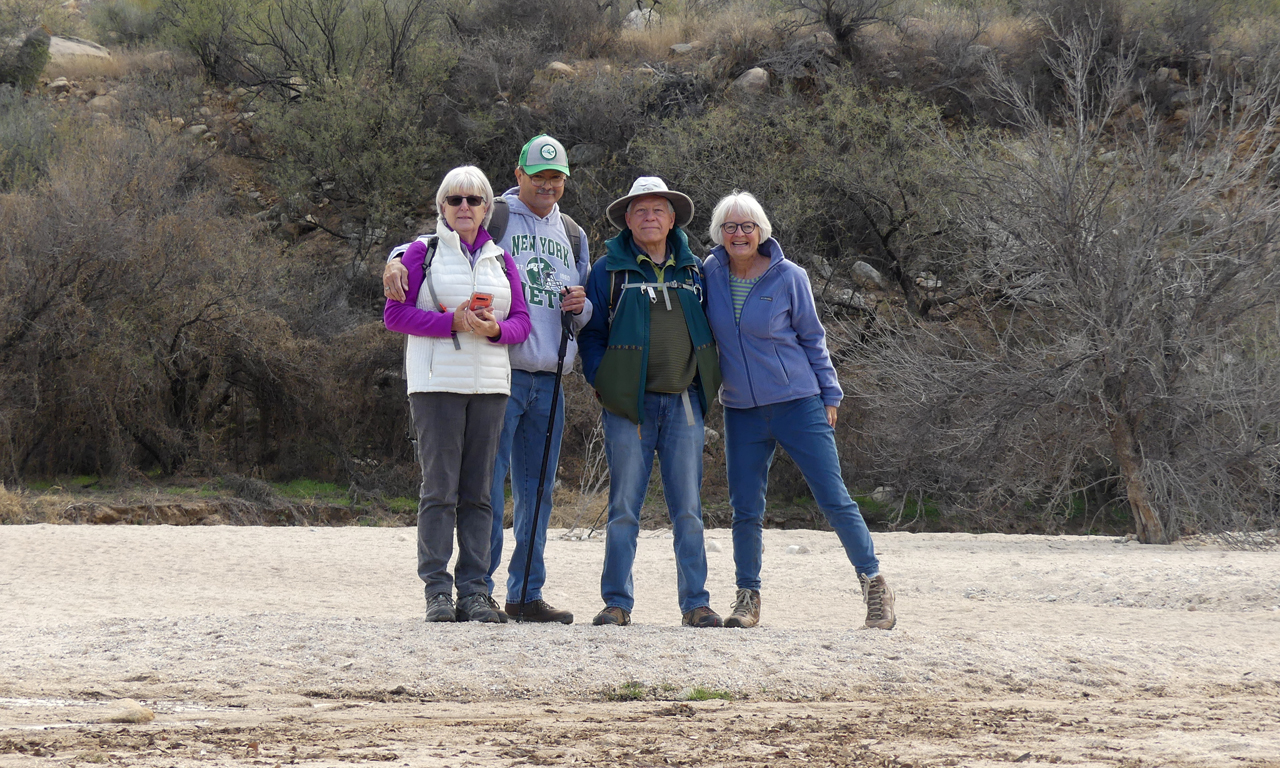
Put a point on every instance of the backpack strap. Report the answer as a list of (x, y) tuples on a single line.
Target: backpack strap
[(432, 241), (574, 232), (498, 219)]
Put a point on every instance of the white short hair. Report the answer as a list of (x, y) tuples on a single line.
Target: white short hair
[(670, 205), (743, 204), (466, 180)]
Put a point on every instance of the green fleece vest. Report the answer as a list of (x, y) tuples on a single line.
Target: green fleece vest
[(621, 377)]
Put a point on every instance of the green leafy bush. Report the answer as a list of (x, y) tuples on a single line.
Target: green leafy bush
[(127, 21)]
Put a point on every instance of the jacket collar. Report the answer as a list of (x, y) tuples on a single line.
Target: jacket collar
[(769, 248), (451, 238), (620, 254)]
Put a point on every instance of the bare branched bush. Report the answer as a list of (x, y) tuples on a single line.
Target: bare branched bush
[(1126, 340), (26, 140), (130, 327), (844, 20)]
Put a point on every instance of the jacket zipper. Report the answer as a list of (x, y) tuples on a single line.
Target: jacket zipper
[(738, 325)]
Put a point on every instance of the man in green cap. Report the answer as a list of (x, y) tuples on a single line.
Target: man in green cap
[(550, 251)]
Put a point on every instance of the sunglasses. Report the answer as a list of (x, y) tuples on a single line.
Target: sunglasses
[(475, 201), (731, 227)]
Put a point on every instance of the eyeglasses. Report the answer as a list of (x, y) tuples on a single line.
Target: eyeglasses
[(475, 201), (731, 227), (555, 181)]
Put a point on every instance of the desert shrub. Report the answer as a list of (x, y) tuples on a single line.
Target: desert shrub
[(570, 26), (27, 140), (142, 343), (857, 176), (126, 21), (844, 20), (366, 146), (1122, 344), (210, 30)]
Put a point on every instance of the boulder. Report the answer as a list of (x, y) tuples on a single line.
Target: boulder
[(63, 48), (560, 69), (586, 154), (867, 276), (642, 19), (105, 104), (680, 49), (754, 81)]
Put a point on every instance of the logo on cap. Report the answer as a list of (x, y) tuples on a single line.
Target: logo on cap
[(548, 152)]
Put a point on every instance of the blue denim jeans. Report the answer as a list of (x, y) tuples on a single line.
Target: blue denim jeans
[(524, 435), (751, 436), (630, 451)]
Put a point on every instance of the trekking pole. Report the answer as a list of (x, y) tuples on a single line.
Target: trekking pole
[(566, 333)]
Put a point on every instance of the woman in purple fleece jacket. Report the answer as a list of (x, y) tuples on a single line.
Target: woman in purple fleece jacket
[(460, 315), (779, 388)]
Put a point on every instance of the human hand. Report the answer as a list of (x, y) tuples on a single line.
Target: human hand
[(395, 280), (461, 323), (831, 416), (483, 323), (573, 299)]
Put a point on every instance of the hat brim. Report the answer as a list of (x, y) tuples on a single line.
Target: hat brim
[(532, 169), (617, 210)]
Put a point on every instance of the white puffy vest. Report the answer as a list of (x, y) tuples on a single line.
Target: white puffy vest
[(480, 367)]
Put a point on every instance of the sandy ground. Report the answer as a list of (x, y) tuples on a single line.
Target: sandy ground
[(306, 646)]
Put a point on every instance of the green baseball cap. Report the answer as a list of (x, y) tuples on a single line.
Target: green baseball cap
[(544, 153)]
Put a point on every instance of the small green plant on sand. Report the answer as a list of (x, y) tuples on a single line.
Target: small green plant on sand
[(705, 694)]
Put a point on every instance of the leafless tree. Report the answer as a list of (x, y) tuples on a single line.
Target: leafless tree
[(843, 19), (1129, 336)]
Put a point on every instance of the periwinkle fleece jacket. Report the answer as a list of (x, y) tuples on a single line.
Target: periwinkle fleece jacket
[(777, 351)]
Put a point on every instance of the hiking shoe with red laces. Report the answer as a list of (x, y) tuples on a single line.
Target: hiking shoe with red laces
[(612, 615), (746, 609), (701, 616), (879, 599), (538, 612)]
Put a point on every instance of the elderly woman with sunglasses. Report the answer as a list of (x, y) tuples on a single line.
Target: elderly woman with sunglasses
[(779, 388), (464, 307)]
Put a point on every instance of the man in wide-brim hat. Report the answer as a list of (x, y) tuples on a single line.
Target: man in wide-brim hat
[(649, 353)]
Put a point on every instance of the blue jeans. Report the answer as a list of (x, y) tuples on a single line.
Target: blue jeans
[(751, 436), (630, 451), (524, 435)]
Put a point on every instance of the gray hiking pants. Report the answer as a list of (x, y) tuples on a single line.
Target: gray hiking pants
[(457, 443)]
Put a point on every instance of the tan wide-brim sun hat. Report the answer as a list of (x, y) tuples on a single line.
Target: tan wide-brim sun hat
[(650, 186)]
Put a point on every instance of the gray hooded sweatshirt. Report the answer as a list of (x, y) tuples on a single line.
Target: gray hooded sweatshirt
[(540, 248)]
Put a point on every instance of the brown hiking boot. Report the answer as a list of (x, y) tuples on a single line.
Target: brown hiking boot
[(612, 615), (701, 616), (879, 599), (746, 609), (538, 612)]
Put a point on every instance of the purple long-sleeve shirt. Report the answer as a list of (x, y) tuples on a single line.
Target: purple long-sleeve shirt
[(405, 317)]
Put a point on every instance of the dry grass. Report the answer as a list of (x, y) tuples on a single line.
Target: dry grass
[(123, 62), (11, 508)]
